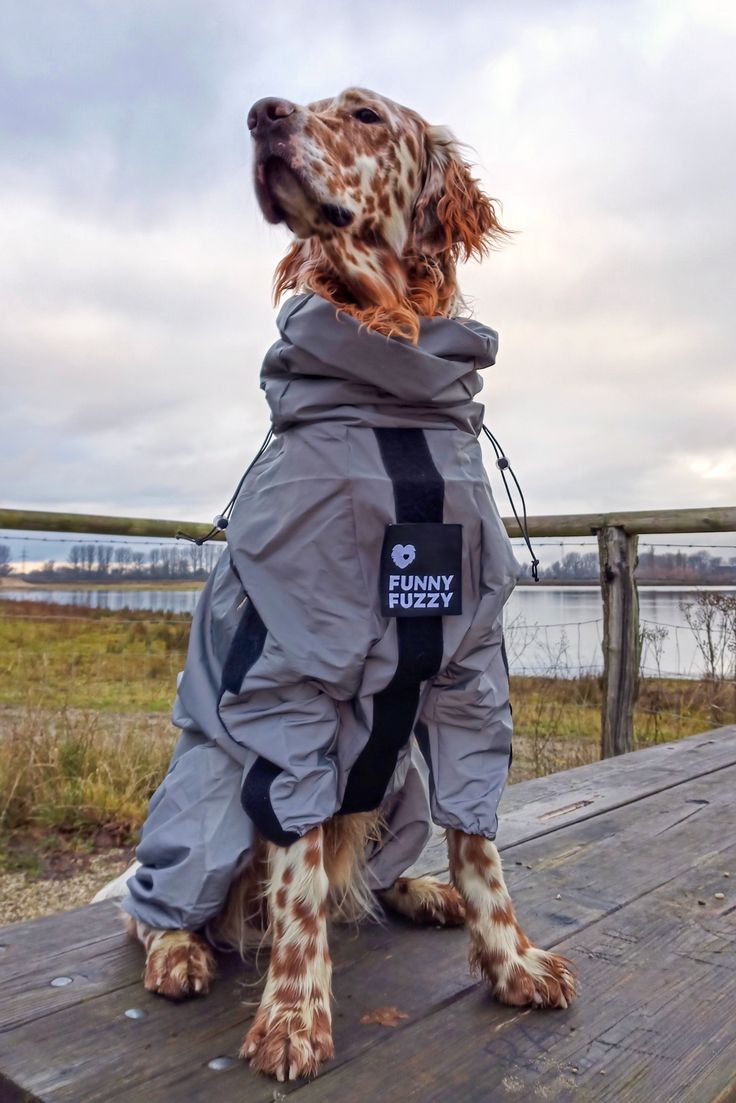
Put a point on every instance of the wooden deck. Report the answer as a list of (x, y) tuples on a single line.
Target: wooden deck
[(620, 865)]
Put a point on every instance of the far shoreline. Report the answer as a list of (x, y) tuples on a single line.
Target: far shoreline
[(157, 584), (8, 583)]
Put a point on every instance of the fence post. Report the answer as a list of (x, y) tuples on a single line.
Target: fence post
[(617, 551)]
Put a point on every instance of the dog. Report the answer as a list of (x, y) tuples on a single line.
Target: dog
[(382, 208)]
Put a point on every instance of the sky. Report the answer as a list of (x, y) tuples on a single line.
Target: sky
[(135, 267)]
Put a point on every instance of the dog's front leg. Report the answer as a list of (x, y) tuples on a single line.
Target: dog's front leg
[(518, 973), (292, 1032)]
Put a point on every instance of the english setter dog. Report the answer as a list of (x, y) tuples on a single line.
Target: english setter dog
[(382, 207)]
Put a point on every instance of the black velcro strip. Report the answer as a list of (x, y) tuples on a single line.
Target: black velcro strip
[(245, 648), (419, 489), (255, 797), (422, 733), (505, 658), (419, 494)]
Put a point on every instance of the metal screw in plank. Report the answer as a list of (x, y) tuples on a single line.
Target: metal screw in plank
[(61, 982), (219, 1063)]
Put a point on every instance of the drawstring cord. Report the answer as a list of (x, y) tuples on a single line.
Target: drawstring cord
[(503, 465), (222, 520)]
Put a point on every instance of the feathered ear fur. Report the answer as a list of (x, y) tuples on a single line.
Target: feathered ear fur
[(452, 213), (294, 269)]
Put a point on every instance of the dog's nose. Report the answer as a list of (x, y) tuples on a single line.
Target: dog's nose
[(264, 113)]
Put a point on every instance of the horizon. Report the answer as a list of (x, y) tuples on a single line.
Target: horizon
[(549, 549)]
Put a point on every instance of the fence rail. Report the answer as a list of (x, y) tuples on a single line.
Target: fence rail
[(617, 535), (639, 522)]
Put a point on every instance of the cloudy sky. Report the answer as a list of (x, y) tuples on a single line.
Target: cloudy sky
[(135, 268)]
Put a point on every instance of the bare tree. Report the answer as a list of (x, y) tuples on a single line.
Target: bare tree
[(122, 558), (6, 566), (196, 556), (104, 558), (712, 618), (211, 551)]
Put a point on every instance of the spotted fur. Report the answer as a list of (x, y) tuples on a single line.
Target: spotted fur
[(426, 900), (291, 1034), (518, 973), (178, 963)]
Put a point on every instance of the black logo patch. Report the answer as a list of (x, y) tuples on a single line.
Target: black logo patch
[(421, 570)]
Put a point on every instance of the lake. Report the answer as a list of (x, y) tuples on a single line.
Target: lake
[(556, 629)]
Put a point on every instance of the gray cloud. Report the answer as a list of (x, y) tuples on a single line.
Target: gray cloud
[(137, 269)]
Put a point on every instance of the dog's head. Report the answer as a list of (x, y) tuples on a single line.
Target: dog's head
[(382, 205)]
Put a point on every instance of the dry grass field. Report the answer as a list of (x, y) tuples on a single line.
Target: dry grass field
[(85, 737)]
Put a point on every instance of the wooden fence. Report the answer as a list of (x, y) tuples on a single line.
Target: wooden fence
[(617, 533)]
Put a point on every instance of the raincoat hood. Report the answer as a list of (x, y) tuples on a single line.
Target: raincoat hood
[(327, 366)]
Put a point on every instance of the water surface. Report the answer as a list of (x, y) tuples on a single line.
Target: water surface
[(548, 628)]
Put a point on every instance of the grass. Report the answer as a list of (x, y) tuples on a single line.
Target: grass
[(85, 735), (99, 659), (75, 779), (557, 721)]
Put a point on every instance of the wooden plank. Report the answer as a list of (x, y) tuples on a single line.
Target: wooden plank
[(22, 944), (535, 808), (11, 1093), (654, 1020), (596, 866)]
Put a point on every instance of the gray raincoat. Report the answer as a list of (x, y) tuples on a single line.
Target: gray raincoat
[(358, 602)]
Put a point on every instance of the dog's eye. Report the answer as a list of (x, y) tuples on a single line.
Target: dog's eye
[(367, 115)]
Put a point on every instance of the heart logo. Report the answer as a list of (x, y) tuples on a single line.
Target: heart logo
[(403, 554)]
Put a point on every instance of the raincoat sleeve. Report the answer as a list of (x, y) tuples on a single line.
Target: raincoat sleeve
[(289, 783)]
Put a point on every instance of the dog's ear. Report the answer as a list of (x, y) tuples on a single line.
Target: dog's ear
[(452, 212)]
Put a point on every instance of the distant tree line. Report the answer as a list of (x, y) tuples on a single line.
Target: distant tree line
[(573, 567), (676, 566), (95, 562)]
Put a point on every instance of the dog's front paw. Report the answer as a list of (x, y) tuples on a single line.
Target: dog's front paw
[(289, 1041), (178, 964), (426, 900), (532, 977)]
